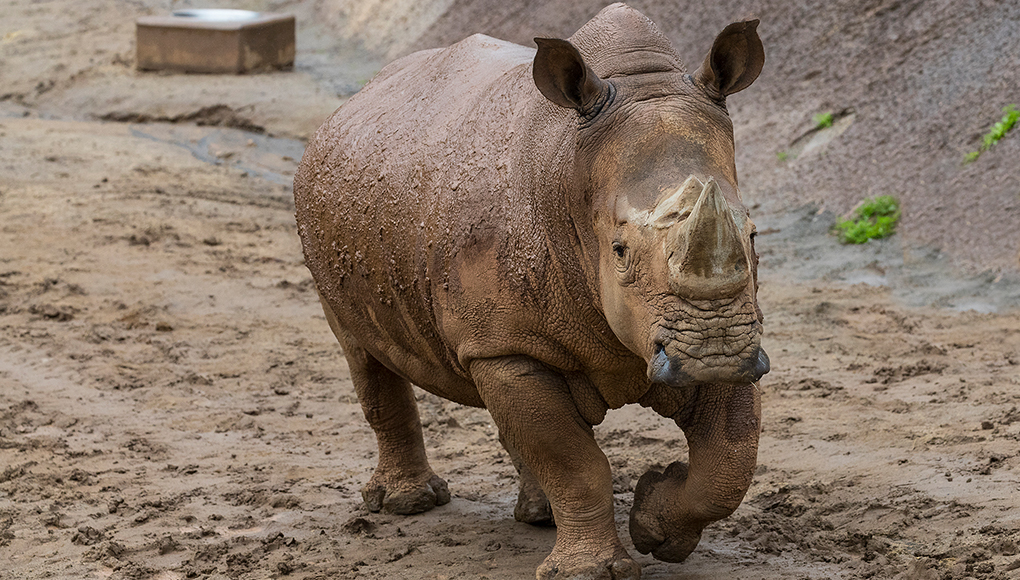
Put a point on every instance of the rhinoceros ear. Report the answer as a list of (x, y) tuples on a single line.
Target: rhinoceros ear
[(563, 77), (734, 62)]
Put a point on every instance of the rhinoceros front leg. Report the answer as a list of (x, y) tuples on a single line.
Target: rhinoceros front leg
[(532, 504), (532, 406), (403, 482), (722, 424)]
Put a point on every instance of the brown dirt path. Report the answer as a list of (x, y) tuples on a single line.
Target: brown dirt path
[(172, 405)]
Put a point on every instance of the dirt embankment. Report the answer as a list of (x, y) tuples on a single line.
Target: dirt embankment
[(919, 80), (916, 84)]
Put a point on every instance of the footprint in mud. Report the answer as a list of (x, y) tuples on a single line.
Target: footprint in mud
[(54, 312)]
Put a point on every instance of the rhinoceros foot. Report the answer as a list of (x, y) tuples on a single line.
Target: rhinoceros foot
[(533, 507), (562, 567), (654, 499), (406, 497)]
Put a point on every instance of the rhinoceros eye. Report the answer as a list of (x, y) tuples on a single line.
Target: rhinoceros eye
[(620, 250), (623, 260)]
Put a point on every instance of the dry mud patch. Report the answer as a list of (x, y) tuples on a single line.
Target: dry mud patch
[(172, 404)]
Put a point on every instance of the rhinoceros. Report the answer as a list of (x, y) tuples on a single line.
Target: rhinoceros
[(549, 234)]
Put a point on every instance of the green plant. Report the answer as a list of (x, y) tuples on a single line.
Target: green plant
[(997, 132), (874, 218), (823, 120), (782, 155)]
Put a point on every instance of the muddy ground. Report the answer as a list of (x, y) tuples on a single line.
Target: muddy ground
[(173, 405)]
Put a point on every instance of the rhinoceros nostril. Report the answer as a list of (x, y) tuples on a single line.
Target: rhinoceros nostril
[(761, 365), (659, 370)]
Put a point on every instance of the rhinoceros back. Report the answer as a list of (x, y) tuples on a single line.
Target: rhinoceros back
[(410, 187)]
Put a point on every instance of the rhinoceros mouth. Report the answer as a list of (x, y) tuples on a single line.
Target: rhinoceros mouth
[(680, 372), (708, 350)]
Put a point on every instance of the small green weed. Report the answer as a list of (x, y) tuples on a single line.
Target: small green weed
[(875, 218), (997, 132), (782, 155), (823, 120)]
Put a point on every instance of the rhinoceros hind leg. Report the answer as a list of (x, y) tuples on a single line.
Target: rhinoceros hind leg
[(405, 498), (403, 482), (532, 504), (533, 507)]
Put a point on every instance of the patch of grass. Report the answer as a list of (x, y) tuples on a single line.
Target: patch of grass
[(873, 219), (1010, 117), (782, 155), (823, 120)]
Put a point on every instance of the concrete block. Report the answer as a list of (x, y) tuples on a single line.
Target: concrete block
[(215, 41)]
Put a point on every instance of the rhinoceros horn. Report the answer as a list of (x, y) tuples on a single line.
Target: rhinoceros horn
[(708, 260)]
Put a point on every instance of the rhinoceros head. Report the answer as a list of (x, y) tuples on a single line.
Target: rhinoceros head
[(673, 242)]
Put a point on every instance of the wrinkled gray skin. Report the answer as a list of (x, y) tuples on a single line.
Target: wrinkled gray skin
[(549, 235)]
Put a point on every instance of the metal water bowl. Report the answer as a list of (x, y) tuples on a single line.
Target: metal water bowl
[(216, 14), (215, 40)]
